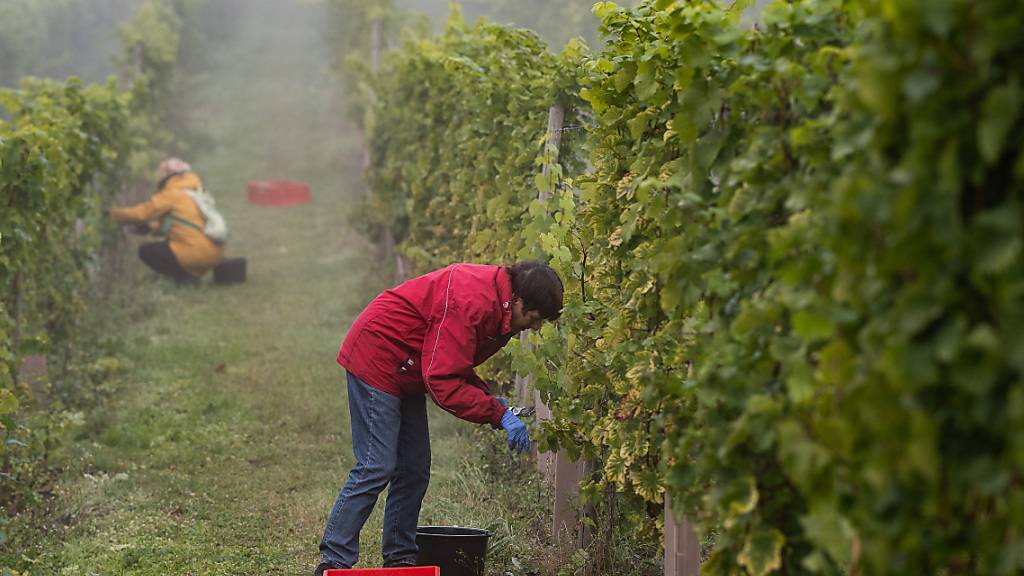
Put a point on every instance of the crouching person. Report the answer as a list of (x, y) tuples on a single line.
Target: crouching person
[(188, 252), (424, 338)]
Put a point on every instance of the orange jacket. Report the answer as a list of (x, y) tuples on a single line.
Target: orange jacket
[(196, 253)]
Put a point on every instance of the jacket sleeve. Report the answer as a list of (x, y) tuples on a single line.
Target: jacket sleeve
[(480, 383), (447, 361), (151, 209)]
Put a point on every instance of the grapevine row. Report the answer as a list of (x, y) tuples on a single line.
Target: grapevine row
[(66, 151), (795, 261)]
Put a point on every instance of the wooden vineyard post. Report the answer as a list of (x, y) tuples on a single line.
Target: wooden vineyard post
[(545, 460), (375, 44), (376, 49), (682, 549), (557, 469), (556, 118), (16, 335), (566, 523), (138, 59)]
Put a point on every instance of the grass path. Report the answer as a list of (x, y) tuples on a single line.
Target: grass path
[(228, 437)]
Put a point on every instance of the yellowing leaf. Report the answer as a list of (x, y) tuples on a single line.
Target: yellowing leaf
[(743, 495), (605, 9), (762, 552), (8, 402)]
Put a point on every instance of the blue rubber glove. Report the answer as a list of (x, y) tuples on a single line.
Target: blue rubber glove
[(518, 436)]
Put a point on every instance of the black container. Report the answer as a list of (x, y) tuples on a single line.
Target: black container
[(458, 551), (230, 271)]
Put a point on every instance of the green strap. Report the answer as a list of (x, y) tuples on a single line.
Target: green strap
[(171, 217)]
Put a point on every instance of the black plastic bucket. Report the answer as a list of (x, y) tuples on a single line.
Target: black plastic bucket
[(230, 271), (458, 551)]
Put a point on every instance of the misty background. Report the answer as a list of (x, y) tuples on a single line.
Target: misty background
[(61, 38)]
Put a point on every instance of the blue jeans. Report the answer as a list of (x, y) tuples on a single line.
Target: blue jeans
[(392, 447)]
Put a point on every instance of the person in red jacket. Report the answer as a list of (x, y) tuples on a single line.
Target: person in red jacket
[(424, 338)]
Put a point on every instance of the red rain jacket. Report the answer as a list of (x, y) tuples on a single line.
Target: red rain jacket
[(427, 335)]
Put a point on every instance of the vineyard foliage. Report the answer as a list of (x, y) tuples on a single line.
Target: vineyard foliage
[(66, 151), (795, 275), (461, 122)]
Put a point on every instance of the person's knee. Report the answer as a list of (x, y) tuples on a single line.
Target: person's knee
[(150, 253), (374, 475), (421, 469), (383, 470)]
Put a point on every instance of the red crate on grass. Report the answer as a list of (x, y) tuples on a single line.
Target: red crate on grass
[(416, 571), (279, 193)]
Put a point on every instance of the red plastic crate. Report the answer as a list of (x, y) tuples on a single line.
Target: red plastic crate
[(279, 193), (417, 571)]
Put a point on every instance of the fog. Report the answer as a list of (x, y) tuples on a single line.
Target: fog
[(60, 38), (238, 58)]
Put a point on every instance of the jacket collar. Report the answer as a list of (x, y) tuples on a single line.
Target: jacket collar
[(504, 284)]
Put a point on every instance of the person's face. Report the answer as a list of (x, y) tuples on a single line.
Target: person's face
[(521, 320)]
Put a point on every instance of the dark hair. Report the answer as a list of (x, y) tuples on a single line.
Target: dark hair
[(539, 286)]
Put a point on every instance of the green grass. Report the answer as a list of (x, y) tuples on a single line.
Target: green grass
[(227, 437)]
